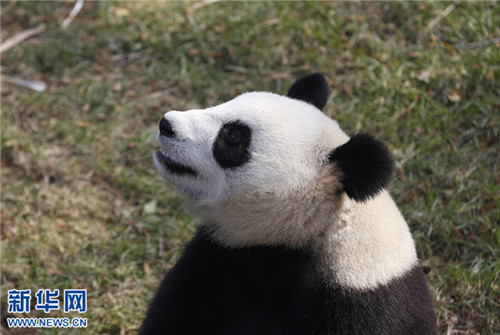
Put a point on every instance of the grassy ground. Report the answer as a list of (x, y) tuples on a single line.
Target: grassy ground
[(82, 205)]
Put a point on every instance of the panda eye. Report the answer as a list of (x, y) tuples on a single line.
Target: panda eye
[(233, 135), (231, 146)]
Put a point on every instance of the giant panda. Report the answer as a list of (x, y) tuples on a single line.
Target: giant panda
[(299, 234)]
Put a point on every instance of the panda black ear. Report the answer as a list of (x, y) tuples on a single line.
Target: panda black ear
[(312, 89), (366, 166)]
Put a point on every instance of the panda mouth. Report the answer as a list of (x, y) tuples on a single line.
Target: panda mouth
[(173, 166)]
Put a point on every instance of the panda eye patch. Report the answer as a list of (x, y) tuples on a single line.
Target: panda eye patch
[(230, 148)]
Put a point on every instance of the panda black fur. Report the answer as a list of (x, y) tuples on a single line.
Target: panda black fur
[(299, 235)]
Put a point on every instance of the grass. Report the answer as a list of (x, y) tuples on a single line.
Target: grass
[(82, 205)]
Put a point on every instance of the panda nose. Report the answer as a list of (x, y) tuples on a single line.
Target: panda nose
[(166, 128)]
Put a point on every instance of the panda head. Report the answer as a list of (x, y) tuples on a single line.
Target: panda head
[(267, 169)]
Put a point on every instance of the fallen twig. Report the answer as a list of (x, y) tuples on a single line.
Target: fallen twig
[(478, 44), (204, 3), (9, 43), (35, 85), (74, 12), (441, 16)]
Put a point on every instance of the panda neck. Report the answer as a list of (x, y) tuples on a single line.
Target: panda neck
[(360, 245), (369, 244), (266, 216)]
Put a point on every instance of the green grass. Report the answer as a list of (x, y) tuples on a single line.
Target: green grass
[(82, 205)]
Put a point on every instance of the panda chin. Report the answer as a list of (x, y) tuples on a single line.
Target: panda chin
[(174, 167)]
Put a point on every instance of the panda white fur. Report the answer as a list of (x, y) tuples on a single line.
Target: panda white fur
[(299, 235)]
